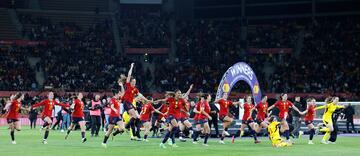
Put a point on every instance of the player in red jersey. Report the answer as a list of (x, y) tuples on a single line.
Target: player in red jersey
[(261, 114), (145, 115), (77, 117), (164, 109), (224, 115), (114, 119), (202, 110), (48, 105), (247, 119), (283, 105), (309, 118), (13, 115), (175, 102), (128, 98), (184, 115)]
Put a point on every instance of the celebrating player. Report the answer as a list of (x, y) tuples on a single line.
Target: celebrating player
[(12, 117), (330, 107), (130, 92), (48, 105), (248, 120), (202, 110), (184, 115), (261, 109), (175, 101), (224, 115), (283, 105), (145, 114), (274, 133), (309, 118), (77, 117), (114, 119)]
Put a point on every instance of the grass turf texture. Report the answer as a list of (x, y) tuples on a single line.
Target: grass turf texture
[(29, 144)]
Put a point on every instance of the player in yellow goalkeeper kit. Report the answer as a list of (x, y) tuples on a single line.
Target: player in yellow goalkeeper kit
[(274, 134), (330, 107)]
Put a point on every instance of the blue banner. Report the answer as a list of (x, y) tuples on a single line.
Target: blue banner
[(239, 72)]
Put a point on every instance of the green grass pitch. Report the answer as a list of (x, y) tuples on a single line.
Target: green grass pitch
[(29, 144)]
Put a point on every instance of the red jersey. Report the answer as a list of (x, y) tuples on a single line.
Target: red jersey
[(224, 107), (310, 113), (48, 106), (146, 111), (14, 110), (247, 111), (198, 107), (78, 109), (175, 106), (261, 111), (184, 110), (283, 108), (164, 109), (130, 93), (116, 105)]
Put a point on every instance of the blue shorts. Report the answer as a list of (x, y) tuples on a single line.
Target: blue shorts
[(128, 106), (170, 118), (246, 122), (183, 120), (11, 120), (197, 122), (114, 120), (308, 122), (76, 120)]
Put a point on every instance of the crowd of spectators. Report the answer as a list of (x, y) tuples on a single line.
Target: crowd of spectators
[(15, 71), (77, 58), (144, 27)]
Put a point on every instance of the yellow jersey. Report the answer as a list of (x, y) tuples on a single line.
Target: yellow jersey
[(274, 132), (330, 108)]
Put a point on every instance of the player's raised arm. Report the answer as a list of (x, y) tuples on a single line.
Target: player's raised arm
[(129, 73), (188, 91)]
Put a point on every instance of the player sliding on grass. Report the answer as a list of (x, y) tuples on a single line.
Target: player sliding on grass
[(330, 107), (274, 133), (283, 105), (224, 115), (202, 110), (48, 106), (77, 117)]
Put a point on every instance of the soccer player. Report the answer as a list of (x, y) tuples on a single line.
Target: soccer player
[(247, 119), (224, 115), (261, 109), (330, 107), (175, 101), (309, 118), (77, 117), (145, 114), (202, 110), (283, 105), (48, 106), (12, 117), (130, 93), (184, 115), (115, 119), (274, 133)]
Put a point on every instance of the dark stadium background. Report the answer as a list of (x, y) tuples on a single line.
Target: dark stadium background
[(302, 47)]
